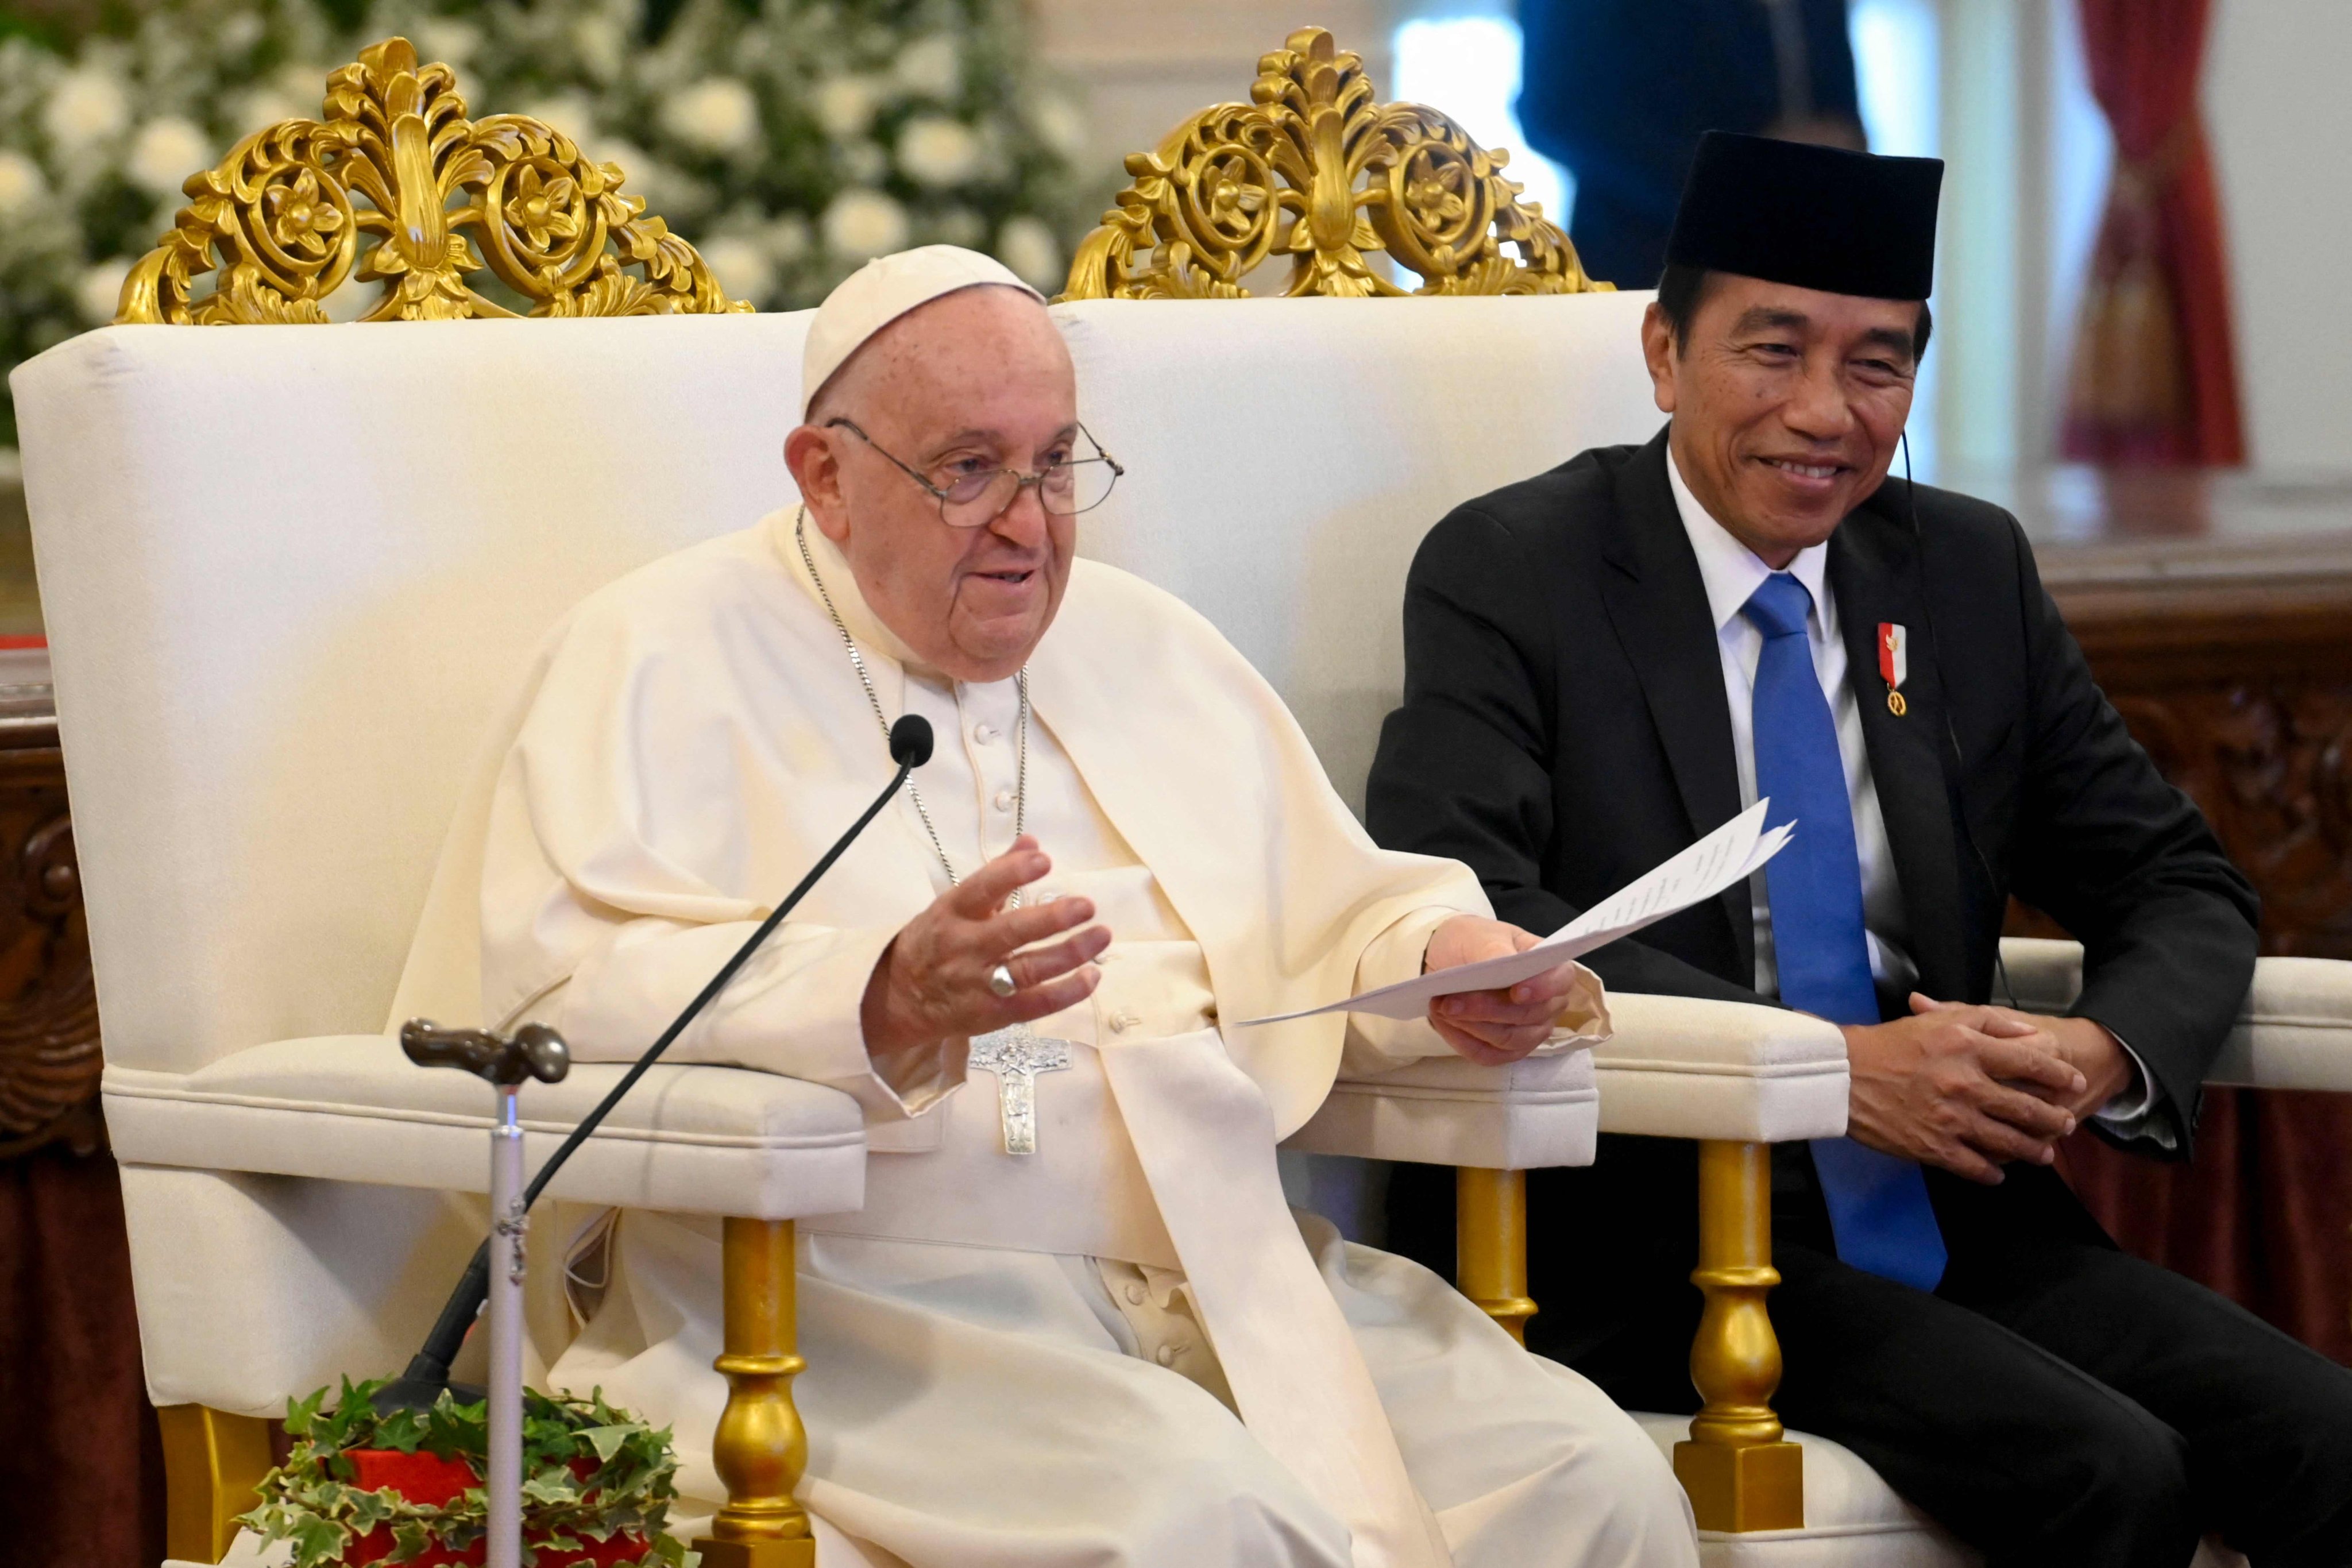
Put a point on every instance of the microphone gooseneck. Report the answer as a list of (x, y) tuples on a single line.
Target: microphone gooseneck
[(427, 1373)]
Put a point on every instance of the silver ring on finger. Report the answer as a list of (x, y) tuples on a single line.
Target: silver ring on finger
[(1001, 981)]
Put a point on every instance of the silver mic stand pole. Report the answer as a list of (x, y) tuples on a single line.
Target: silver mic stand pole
[(534, 1051)]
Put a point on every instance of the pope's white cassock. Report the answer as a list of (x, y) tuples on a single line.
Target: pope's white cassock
[(1010, 1356)]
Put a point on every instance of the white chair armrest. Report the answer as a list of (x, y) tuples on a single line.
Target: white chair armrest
[(1682, 1068), (2046, 973), (1445, 1110), (352, 1107), (2294, 1032)]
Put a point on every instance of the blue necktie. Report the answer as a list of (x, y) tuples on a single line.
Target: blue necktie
[(1878, 1205)]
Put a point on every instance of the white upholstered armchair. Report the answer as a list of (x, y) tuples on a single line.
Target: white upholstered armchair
[(290, 575)]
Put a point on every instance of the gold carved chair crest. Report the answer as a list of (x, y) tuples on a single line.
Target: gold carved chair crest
[(281, 217), (1314, 169)]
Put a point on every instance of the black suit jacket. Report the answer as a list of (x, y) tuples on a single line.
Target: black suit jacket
[(1565, 727)]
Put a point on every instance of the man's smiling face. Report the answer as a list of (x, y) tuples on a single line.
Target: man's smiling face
[(1788, 404)]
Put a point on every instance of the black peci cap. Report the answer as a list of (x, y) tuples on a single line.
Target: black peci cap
[(1812, 217)]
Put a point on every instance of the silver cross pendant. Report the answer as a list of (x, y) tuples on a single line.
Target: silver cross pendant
[(1016, 1055)]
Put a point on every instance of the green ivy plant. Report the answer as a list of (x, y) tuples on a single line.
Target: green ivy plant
[(590, 1472)]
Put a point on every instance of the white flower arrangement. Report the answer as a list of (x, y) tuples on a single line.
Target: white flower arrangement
[(791, 140), (95, 143)]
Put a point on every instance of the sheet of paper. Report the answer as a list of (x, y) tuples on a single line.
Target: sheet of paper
[(1730, 854)]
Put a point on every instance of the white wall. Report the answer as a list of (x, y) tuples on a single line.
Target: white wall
[(2280, 114)]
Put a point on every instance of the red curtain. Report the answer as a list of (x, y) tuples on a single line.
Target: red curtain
[(2262, 1215), (2155, 376), (81, 1468)]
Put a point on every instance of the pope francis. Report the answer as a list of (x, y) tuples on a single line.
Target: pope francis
[(1075, 1323)]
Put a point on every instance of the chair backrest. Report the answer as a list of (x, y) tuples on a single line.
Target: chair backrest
[(291, 575)]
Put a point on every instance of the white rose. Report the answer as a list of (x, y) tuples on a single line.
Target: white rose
[(601, 43), (239, 33), (87, 106), (787, 239), (716, 114), (1027, 246), (844, 106), (303, 81), (21, 183), (264, 107), (1059, 125), (930, 67), (862, 224), (166, 151), (864, 163), (569, 113), (447, 41), (959, 226), (99, 293), (936, 151), (743, 268)]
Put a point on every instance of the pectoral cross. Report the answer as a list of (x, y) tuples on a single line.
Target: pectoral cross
[(1016, 1056)]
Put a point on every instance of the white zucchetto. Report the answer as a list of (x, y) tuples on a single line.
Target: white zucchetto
[(881, 291)]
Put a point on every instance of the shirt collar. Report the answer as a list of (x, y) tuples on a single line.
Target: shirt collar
[(1729, 569)]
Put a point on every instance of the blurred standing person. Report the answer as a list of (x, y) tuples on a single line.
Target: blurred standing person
[(1618, 92)]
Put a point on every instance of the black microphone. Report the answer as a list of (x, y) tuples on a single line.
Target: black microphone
[(911, 742), (427, 1373)]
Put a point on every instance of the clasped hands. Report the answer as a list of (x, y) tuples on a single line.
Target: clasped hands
[(1970, 1088), (931, 982)]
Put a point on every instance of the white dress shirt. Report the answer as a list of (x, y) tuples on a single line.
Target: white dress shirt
[(1732, 573)]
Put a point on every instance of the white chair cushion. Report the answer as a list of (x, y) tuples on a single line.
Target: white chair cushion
[(1447, 1111), (1852, 1520), (1683, 1068), (352, 1107)]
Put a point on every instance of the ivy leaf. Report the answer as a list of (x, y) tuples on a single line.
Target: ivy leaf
[(301, 1413), (409, 1540), (402, 1430), (608, 1440), (319, 1540), (369, 1510)]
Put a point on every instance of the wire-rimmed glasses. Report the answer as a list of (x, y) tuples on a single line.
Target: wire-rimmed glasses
[(976, 500)]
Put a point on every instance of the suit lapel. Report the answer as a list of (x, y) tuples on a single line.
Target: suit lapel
[(1658, 603), (1871, 572)]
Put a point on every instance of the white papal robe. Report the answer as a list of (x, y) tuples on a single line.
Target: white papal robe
[(1010, 1361)]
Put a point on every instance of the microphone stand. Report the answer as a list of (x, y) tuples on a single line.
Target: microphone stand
[(535, 1051), (427, 1373)]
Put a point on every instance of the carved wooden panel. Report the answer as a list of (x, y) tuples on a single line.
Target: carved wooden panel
[(49, 1057), (2216, 612), (2270, 761)]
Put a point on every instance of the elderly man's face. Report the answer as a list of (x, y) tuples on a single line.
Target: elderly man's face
[(975, 380), (1786, 404)]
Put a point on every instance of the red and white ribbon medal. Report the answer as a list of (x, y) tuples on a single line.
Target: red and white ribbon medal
[(1894, 664)]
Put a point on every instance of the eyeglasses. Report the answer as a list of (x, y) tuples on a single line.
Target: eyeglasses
[(977, 499)]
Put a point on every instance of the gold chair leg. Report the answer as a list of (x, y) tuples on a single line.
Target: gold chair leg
[(212, 1463), (760, 1447), (1740, 1472), (1490, 1244)]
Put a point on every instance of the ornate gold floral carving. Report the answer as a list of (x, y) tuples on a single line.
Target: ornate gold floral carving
[(281, 219), (1314, 169)]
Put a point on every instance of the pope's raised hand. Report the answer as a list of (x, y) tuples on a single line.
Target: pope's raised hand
[(1492, 1028), (931, 982)]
